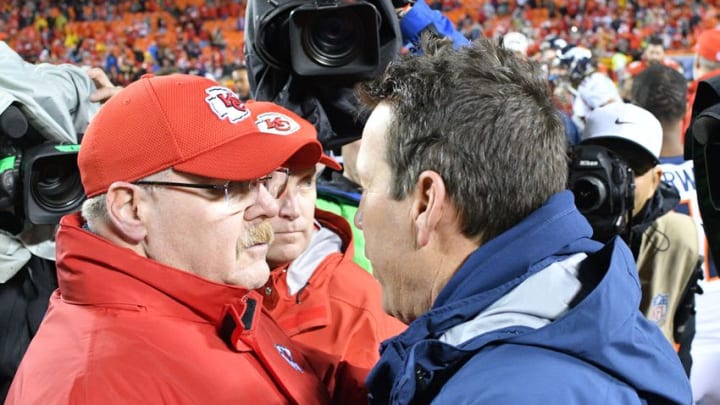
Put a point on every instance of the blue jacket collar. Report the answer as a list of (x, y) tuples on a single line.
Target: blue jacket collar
[(554, 230)]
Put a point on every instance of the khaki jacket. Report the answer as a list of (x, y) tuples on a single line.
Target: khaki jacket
[(668, 255)]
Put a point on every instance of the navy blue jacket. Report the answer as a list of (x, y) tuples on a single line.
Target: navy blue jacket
[(600, 351)]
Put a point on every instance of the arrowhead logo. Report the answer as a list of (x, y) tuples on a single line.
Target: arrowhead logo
[(226, 104), (286, 354)]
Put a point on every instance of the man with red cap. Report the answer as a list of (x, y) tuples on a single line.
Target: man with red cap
[(705, 66), (156, 300), (318, 295)]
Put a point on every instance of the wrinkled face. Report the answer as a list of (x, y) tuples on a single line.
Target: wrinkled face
[(294, 224), (196, 230), (654, 54), (389, 229)]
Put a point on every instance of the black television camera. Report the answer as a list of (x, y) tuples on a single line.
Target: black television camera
[(308, 54), (702, 145), (604, 187), (39, 181)]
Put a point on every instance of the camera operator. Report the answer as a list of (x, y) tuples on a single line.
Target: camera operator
[(664, 243), (41, 107), (326, 97)]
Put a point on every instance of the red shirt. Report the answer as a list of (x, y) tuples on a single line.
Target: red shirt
[(125, 328)]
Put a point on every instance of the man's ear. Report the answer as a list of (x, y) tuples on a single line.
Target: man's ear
[(657, 177), (429, 203), (125, 203)]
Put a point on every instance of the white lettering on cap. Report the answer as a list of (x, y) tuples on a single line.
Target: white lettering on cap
[(226, 104), (276, 123)]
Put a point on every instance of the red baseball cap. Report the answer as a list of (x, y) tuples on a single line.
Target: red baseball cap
[(708, 45), (196, 126)]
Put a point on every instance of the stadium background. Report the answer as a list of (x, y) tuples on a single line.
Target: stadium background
[(130, 38)]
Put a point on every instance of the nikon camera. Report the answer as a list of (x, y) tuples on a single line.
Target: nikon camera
[(604, 187)]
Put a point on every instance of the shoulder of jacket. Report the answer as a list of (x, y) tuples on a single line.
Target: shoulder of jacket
[(677, 224), (678, 229), (353, 285), (542, 373)]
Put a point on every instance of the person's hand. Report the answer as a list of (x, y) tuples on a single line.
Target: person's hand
[(105, 88), (402, 7)]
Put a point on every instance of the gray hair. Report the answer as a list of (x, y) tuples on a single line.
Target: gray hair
[(94, 210)]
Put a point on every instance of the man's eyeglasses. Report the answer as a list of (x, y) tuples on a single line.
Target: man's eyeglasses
[(237, 191)]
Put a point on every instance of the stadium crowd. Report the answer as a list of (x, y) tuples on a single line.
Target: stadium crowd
[(128, 38), (466, 249)]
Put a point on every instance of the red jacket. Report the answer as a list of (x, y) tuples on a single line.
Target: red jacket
[(125, 329), (337, 314), (692, 92), (635, 67)]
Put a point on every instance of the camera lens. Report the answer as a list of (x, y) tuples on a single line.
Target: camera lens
[(55, 182), (333, 40), (590, 193)]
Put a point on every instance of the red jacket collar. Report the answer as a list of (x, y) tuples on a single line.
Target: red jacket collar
[(92, 270), (315, 309)]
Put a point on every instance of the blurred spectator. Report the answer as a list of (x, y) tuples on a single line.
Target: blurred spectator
[(654, 53), (662, 90), (241, 85), (33, 26), (705, 66), (591, 88), (516, 42)]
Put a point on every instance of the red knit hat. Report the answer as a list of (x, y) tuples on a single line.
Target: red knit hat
[(193, 125), (708, 45)]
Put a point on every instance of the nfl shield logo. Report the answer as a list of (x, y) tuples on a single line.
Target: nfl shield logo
[(659, 308)]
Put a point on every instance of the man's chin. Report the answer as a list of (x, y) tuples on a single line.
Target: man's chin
[(282, 255), (251, 277)]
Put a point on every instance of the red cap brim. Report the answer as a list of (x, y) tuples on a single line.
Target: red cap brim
[(330, 162), (253, 156)]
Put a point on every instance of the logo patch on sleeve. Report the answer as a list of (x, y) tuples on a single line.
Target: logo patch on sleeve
[(659, 309), (226, 104), (276, 123)]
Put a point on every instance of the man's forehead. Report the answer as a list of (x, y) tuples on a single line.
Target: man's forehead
[(373, 138), (300, 171)]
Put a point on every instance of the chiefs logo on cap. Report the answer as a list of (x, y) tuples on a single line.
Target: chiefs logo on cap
[(226, 104), (276, 123)]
